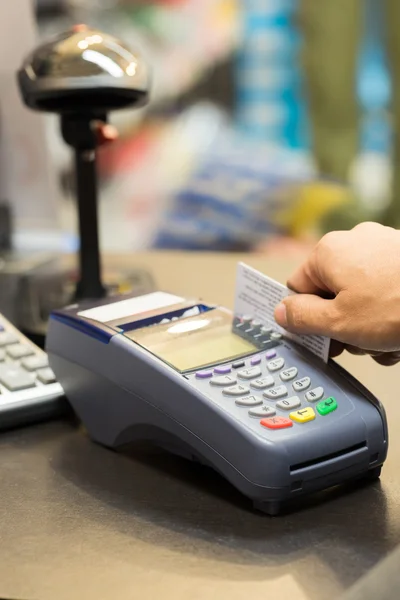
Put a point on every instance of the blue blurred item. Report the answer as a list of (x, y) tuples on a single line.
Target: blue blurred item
[(269, 106), (240, 194), (374, 84), (270, 102)]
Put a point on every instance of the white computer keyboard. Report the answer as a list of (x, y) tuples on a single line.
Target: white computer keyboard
[(29, 391)]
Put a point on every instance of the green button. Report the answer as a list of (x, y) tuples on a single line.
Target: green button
[(327, 406)]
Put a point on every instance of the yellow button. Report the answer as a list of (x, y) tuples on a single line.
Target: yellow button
[(303, 415)]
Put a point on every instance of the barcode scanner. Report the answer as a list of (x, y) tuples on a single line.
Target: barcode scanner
[(82, 74)]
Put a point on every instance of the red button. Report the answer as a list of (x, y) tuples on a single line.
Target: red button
[(277, 423)]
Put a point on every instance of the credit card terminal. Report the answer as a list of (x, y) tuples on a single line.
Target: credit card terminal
[(219, 388)]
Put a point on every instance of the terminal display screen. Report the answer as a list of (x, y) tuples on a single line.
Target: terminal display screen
[(194, 342)]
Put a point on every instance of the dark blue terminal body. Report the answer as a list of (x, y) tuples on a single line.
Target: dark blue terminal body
[(218, 388)]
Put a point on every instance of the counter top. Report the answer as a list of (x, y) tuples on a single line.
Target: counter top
[(79, 521)]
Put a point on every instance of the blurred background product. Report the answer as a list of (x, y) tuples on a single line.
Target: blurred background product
[(268, 119), (351, 64)]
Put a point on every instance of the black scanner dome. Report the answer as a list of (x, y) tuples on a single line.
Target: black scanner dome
[(83, 69)]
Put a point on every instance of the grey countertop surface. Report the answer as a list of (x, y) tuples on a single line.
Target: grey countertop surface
[(80, 521)]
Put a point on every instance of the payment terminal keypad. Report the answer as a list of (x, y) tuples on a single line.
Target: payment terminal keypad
[(274, 390)]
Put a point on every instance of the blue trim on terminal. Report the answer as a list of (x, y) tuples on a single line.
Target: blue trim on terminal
[(99, 332)]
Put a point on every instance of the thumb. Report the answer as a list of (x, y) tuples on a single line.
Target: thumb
[(307, 314)]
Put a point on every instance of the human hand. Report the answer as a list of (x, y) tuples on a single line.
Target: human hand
[(349, 290)]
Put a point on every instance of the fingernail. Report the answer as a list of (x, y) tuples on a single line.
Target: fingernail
[(280, 315)]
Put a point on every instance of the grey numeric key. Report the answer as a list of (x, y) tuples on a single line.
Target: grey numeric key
[(261, 384), (223, 380), (276, 364), (236, 390), (15, 378), (289, 403), (248, 401), (288, 374), (277, 392), (251, 373), (301, 384)]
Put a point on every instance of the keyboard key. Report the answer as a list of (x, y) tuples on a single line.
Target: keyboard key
[(301, 384), (46, 375), (276, 336), (248, 401), (223, 380), (266, 330), (315, 394), (270, 354), (303, 415), (2, 355), (223, 369), (236, 390), (33, 363), (289, 403), (276, 365), (16, 378), (277, 392), (289, 374), (254, 328), (267, 343), (255, 360), (251, 373), (261, 384), (247, 319), (262, 411), (204, 374), (276, 423), (327, 406), (17, 351), (7, 338), (238, 364)]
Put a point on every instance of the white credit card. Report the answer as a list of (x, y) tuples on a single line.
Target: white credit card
[(258, 295)]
